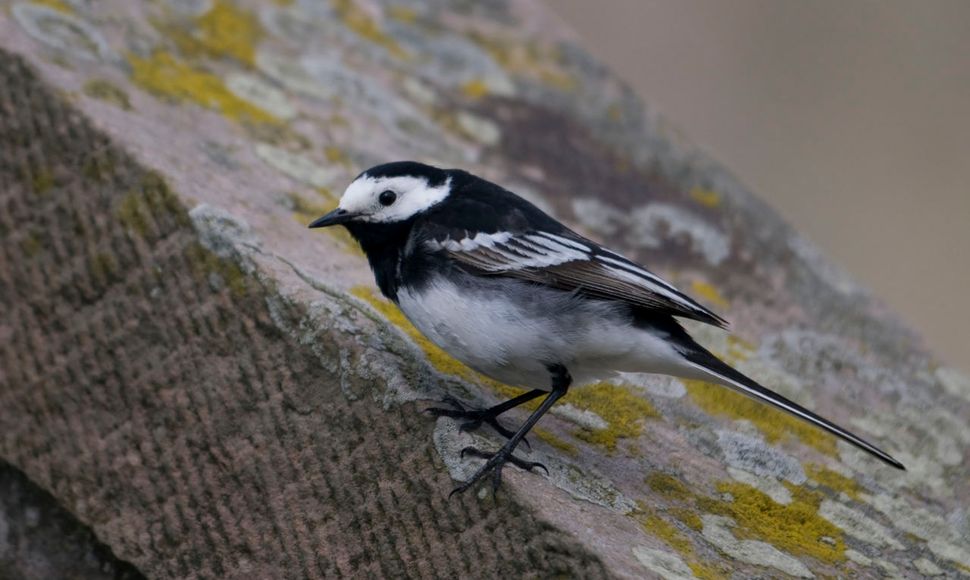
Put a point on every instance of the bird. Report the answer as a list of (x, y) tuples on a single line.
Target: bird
[(518, 296)]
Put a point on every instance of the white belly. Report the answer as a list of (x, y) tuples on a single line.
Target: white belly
[(512, 331)]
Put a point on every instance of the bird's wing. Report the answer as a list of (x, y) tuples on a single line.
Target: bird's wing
[(569, 262)]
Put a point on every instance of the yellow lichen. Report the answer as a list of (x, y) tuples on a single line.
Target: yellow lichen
[(108, 92), (59, 5), (475, 89), (403, 14), (618, 406), (548, 437), (668, 486), (358, 20), (776, 425), (166, 76), (689, 518), (335, 154), (796, 528), (224, 31), (659, 527), (709, 293), (833, 480), (706, 197)]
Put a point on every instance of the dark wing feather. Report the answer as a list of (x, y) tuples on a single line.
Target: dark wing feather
[(569, 262)]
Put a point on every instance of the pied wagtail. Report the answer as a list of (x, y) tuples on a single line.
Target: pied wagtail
[(521, 298)]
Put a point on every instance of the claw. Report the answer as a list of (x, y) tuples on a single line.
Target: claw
[(496, 461)]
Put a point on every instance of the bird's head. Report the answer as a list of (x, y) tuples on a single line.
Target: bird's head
[(389, 194)]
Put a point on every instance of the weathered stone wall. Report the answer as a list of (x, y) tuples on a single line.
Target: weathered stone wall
[(215, 391)]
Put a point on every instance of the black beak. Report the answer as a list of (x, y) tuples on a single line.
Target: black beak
[(336, 217)]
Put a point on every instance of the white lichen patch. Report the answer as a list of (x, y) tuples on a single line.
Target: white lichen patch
[(858, 525), (419, 92), (295, 166), (658, 385), (653, 226), (656, 224), (597, 216), (751, 454), (858, 557), (586, 484), (954, 382), (889, 569), (226, 235), (449, 440), (667, 565), (581, 417), (768, 485), (479, 129), (261, 94), (65, 32), (717, 530), (927, 567), (942, 538)]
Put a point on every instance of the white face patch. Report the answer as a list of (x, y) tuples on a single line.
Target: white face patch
[(413, 195)]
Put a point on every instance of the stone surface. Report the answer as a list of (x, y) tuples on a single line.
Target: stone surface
[(216, 391)]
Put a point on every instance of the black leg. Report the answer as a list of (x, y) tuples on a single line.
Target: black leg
[(478, 416), (560, 385)]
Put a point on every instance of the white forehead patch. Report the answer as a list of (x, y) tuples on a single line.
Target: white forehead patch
[(413, 196)]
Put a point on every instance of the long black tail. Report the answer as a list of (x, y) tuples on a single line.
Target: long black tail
[(724, 374)]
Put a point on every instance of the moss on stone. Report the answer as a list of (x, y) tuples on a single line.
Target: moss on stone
[(206, 264), (103, 268), (776, 425), (164, 75), (150, 202), (108, 92), (31, 244), (132, 213), (42, 181), (623, 410)]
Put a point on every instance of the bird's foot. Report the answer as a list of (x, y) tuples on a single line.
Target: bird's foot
[(476, 417), (496, 461)]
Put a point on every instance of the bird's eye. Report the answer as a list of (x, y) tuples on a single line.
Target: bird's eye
[(387, 197)]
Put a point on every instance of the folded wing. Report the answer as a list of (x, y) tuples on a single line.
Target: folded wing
[(572, 263)]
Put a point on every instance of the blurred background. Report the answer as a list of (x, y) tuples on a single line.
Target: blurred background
[(851, 118)]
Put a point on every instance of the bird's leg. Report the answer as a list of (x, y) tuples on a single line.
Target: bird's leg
[(478, 416), (560, 385)]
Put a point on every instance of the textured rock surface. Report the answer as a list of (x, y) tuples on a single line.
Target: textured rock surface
[(216, 391)]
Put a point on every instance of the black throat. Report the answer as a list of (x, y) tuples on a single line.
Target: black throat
[(384, 245)]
